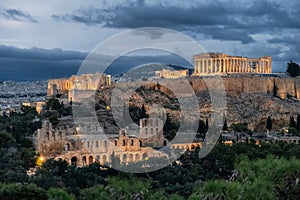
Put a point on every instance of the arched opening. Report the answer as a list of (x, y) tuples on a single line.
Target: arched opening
[(104, 159), (97, 144), (68, 147), (123, 133), (123, 142), (130, 158), (141, 144), (132, 142), (90, 160), (137, 157), (116, 143), (145, 156), (84, 161), (97, 158), (48, 136), (124, 159), (165, 142), (74, 161)]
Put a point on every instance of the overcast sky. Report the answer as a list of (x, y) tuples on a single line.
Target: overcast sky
[(61, 33)]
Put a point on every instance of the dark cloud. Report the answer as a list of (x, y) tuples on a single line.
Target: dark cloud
[(43, 64), (293, 44), (223, 20), (40, 54), (37, 64), (17, 15)]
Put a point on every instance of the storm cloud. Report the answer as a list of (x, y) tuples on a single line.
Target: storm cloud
[(223, 20), (41, 64)]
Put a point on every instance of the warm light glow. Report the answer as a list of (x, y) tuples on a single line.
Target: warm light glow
[(107, 107), (40, 160), (229, 143)]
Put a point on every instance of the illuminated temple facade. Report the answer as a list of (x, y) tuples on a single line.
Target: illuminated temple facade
[(218, 63)]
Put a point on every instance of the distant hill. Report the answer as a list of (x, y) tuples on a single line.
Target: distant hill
[(41, 64)]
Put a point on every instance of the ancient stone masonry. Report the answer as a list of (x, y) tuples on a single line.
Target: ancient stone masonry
[(67, 142), (214, 63), (164, 73), (84, 82)]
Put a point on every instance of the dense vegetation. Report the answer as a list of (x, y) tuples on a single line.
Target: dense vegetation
[(293, 69), (241, 171)]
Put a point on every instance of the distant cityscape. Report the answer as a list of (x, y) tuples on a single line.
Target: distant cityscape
[(14, 94)]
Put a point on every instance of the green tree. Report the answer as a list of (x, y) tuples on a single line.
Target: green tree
[(201, 127), (143, 113), (293, 69), (19, 191), (206, 124), (6, 139), (225, 126), (292, 122), (298, 122), (59, 194), (53, 104), (269, 123), (170, 128)]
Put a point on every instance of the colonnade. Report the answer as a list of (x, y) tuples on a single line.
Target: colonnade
[(232, 65)]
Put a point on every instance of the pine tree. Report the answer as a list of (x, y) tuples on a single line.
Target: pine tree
[(292, 122), (201, 127), (298, 122), (269, 123), (206, 124), (143, 113), (225, 126)]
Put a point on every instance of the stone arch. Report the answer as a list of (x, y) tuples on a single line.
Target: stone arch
[(74, 160), (84, 161), (131, 157), (59, 135), (145, 156), (104, 159), (68, 146), (124, 158), (123, 132), (97, 158), (90, 160), (137, 157)]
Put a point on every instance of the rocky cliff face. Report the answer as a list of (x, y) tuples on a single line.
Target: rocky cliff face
[(249, 99)]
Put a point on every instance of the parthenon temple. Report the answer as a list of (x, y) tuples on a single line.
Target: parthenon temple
[(213, 63)]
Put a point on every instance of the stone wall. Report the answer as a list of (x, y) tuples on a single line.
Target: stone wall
[(281, 86)]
